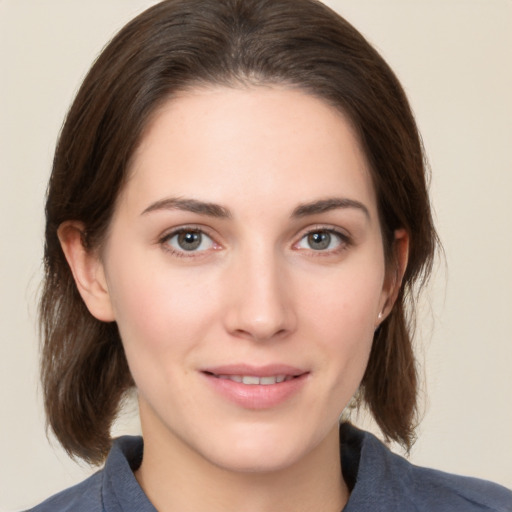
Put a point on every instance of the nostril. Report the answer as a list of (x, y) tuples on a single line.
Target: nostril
[(259, 312), (260, 333)]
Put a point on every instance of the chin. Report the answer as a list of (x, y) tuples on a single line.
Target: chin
[(255, 460), (260, 449)]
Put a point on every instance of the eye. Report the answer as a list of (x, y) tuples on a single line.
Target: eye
[(322, 240), (188, 241)]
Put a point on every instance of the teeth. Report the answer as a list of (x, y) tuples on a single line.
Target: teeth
[(252, 380), (235, 378), (247, 379)]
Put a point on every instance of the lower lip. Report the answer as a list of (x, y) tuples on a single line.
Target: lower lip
[(257, 396)]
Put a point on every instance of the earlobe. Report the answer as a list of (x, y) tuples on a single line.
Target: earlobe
[(87, 270), (395, 273)]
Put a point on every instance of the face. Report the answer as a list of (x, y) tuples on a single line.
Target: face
[(245, 269)]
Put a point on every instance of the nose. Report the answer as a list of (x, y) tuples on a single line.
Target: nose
[(260, 304)]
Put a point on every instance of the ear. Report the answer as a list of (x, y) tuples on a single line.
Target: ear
[(395, 274), (87, 269)]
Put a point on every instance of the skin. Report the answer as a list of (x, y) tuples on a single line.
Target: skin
[(265, 286)]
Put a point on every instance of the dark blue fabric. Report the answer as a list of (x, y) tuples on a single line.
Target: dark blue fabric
[(380, 481), (386, 482), (112, 489)]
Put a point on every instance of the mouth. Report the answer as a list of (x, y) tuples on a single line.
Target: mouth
[(256, 387), (254, 380)]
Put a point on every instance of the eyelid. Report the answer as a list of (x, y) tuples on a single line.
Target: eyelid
[(169, 234), (344, 237)]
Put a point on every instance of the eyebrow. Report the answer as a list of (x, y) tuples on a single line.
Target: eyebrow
[(189, 205), (218, 211), (325, 205)]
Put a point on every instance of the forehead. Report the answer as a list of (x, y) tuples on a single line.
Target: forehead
[(264, 143)]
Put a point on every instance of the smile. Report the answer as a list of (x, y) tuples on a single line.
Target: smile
[(252, 380), (256, 387)]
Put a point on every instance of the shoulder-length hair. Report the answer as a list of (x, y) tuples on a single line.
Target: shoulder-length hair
[(180, 44)]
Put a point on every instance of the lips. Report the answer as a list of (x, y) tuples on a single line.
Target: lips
[(256, 387), (253, 380)]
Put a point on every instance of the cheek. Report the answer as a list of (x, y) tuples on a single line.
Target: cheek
[(161, 324), (342, 315), (346, 301), (158, 310)]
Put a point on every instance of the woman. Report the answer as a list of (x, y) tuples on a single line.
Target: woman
[(236, 219)]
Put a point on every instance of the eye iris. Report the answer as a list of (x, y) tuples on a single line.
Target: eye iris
[(189, 240), (319, 240)]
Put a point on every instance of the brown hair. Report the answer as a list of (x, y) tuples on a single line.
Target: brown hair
[(184, 43)]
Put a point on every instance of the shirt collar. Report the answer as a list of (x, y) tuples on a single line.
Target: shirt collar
[(122, 493)]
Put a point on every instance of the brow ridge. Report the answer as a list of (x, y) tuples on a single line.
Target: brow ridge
[(218, 211), (189, 205), (325, 205)]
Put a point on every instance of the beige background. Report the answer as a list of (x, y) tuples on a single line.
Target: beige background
[(454, 58)]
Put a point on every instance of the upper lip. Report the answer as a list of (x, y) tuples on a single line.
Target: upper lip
[(268, 370)]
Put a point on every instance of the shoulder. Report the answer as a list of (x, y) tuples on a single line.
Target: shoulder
[(385, 481), (112, 488), (83, 497), (455, 492)]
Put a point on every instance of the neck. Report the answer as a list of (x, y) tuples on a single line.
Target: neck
[(174, 477)]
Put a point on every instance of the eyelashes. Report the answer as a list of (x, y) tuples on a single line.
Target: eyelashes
[(188, 241), (323, 240), (194, 241)]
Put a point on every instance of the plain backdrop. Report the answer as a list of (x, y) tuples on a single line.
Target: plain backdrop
[(454, 58)]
